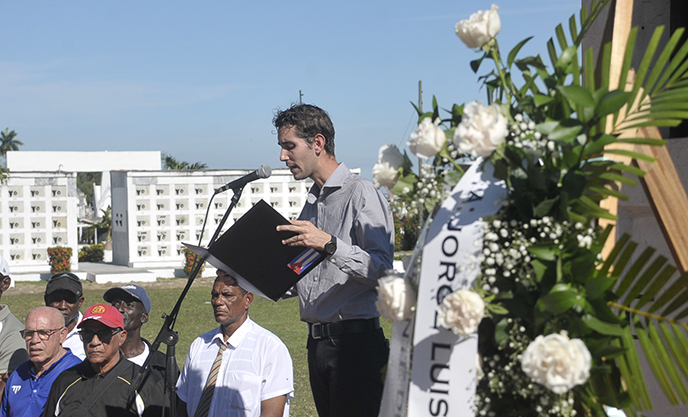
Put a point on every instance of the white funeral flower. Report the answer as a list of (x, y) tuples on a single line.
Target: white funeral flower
[(461, 312), (395, 298), (386, 170), (428, 139), (479, 28), (557, 362), (481, 131)]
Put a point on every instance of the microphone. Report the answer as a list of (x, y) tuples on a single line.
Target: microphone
[(263, 171)]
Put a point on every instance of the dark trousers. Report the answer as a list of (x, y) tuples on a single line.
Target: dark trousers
[(346, 373)]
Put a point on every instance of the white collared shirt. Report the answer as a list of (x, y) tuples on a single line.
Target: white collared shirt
[(256, 366), (73, 341)]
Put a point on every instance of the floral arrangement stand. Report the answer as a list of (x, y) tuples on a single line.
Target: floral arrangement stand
[(521, 283), (662, 185)]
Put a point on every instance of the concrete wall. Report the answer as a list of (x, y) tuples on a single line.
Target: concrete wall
[(154, 212)]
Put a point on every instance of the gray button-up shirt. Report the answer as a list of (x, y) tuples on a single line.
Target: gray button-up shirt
[(343, 287)]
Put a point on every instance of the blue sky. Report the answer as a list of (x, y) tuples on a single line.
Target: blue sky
[(200, 80)]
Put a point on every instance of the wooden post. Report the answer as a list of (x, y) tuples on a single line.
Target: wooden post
[(623, 16), (666, 195)]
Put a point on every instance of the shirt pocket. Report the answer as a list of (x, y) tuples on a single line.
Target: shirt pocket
[(245, 393)]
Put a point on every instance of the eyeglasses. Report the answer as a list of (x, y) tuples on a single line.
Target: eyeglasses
[(43, 334), (105, 335)]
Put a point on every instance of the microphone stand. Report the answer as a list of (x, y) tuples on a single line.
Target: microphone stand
[(170, 337)]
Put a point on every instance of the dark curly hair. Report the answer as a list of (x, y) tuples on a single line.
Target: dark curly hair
[(308, 121)]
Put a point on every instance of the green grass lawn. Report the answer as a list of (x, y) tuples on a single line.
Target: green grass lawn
[(195, 318)]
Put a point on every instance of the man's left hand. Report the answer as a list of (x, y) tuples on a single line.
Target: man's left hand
[(308, 235)]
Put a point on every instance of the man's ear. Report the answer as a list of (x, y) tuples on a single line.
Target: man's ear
[(318, 143), (123, 337), (144, 318), (81, 301), (248, 300), (63, 334)]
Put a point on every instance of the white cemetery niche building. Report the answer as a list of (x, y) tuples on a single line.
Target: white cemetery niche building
[(76, 161), (39, 203), (39, 210), (153, 213)]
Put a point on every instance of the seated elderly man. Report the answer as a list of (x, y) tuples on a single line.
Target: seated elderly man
[(102, 385), (237, 369), (27, 388)]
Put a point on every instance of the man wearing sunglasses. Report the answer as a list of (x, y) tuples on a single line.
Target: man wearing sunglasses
[(28, 387), (102, 384), (65, 293)]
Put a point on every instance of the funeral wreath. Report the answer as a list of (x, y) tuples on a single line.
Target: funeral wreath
[(556, 321)]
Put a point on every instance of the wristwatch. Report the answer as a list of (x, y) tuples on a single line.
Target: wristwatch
[(331, 246)]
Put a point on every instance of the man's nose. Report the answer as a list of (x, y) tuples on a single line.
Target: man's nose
[(283, 155)]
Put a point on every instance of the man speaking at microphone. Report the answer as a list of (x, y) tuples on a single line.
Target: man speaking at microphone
[(347, 218)]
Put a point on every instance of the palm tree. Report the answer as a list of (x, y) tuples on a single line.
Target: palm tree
[(105, 222), (171, 163), (9, 143)]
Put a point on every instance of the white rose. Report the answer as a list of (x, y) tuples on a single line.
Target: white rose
[(386, 170), (461, 312), (557, 362), (479, 28), (481, 131), (395, 298), (428, 139)]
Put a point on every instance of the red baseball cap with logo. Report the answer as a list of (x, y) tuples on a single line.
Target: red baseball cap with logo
[(106, 314)]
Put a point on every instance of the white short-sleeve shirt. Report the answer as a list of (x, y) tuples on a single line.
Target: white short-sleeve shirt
[(256, 366), (141, 358)]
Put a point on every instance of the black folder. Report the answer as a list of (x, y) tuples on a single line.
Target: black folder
[(252, 252)]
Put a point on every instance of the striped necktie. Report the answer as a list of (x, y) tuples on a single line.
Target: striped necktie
[(207, 395)]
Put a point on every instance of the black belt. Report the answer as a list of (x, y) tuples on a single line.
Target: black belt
[(338, 328)]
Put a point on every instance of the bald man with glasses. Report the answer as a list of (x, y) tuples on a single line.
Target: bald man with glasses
[(102, 385), (27, 388)]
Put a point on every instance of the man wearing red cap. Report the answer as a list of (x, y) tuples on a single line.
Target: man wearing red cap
[(102, 385)]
